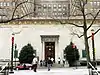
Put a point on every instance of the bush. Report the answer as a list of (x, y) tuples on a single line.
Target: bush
[(26, 54)]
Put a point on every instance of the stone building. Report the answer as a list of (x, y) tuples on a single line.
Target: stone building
[(42, 29)]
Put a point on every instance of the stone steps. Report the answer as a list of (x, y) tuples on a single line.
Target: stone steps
[(55, 65)]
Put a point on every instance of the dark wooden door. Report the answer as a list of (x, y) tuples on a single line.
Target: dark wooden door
[(49, 50)]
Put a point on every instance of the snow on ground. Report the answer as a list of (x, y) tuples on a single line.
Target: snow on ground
[(53, 71)]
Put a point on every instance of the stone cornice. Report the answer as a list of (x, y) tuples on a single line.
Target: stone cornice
[(47, 21)]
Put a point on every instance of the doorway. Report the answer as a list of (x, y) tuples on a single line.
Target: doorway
[(49, 50)]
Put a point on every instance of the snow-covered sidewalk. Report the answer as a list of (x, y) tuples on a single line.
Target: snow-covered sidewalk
[(53, 71)]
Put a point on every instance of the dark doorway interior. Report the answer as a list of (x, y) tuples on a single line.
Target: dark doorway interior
[(49, 50)]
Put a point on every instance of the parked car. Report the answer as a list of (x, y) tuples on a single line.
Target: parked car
[(24, 67)]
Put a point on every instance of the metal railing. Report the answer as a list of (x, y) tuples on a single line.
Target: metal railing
[(94, 70), (5, 69)]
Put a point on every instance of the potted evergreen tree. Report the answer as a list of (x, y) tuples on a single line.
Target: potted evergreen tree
[(71, 54), (26, 54)]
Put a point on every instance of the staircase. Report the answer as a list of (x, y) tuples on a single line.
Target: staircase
[(55, 65)]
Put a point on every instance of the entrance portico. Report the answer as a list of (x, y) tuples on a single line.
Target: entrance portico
[(50, 47)]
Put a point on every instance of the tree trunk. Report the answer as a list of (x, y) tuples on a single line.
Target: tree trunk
[(87, 48), (85, 37)]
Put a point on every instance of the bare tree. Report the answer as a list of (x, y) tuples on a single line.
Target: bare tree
[(79, 7), (16, 9)]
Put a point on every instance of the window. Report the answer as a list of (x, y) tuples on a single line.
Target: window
[(4, 3), (44, 10), (44, 6), (59, 6), (95, 10), (43, 13), (13, 4), (64, 9), (59, 9), (98, 3), (1, 4), (54, 5), (83, 53), (55, 13), (54, 9), (85, 10), (49, 5), (91, 3), (91, 9), (39, 14), (95, 3), (64, 5), (39, 8), (8, 4), (64, 14)]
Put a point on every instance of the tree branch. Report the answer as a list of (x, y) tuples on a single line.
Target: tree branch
[(17, 7), (22, 16), (58, 20), (75, 4), (16, 18), (6, 21), (94, 33), (77, 35), (93, 19), (90, 14), (75, 24), (84, 2)]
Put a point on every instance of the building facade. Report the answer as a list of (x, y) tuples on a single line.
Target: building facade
[(43, 29)]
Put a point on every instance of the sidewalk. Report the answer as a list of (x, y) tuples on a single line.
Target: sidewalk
[(53, 71)]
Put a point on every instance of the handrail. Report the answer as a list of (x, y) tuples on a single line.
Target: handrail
[(93, 68), (3, 67)]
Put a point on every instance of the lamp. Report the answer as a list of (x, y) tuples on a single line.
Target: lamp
[(93, 48), (12, 53)]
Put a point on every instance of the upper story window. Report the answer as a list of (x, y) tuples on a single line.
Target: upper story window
[(8, 4), (98, 3), (4, 4), (13, 4), (91, 3), (59, 5), (39, 8), (91, 9), (1, 4), (64, 6), (54, 5), (95, 3), (54, 9), (85, 10), (59, 9), (49, 5), (44, 6)]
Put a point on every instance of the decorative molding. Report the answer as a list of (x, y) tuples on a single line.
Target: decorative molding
[(49, 38), (48, 21)]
